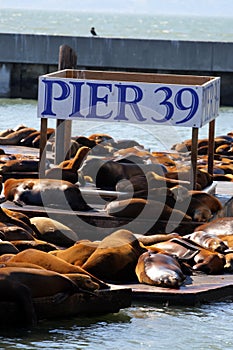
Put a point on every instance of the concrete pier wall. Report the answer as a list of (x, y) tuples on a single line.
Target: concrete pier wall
[(24, 57)]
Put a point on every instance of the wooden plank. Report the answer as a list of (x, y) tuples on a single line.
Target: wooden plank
[(67, 59), (194, 157), (196, 290), (63, 306), (43, 141), (133, 77), (211, 147)]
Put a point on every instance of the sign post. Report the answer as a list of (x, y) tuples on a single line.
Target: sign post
[(162, 99)]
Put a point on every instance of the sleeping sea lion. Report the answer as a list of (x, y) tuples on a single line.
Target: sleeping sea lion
[(220, 226), (41, 282), (14, 137), (53, 231), (12, 290), (209, 262), (153, 210), (207, 241), (78, 253), (160, 270), (48, 192), (116, 257), (53, 263)]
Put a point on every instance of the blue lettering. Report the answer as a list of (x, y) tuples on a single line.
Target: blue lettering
[(76, 100), (94, 99), (122, 102), (65, 91)]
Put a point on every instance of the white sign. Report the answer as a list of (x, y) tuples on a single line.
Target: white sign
[(132, 102)]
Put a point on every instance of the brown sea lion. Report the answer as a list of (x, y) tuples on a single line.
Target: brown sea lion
[(176, 247), (7, 248), (11, 232), (197, 210), (209, 262), (83, 281), (228, 267), (36, 140), (106, 174), (48, 192), (41, 282), (100, 137), (155, 180), (35, 244), (12, 290), (67, 170), (14, 137), (160, 270), (204, 179), (227, 239), (52, 263), (116, 257), (24, 165), (156, 238), (207, 241), (212, 202), (78, 253), (6, 263), (14, 218), (53, 231), (219, 227), (153, 210)]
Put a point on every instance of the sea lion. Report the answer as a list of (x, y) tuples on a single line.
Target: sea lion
[(7, 248), (24, 165), (156, 238), (53, 263), (228, 267), (53, 231), (48, 192), (14, 218), (15, 137), (67, 170), (219, 227), (212, 202), (78, 253), (177, 247), (12, 290), (100, 137), (116, 257), (209, 262), (207, 241), (153, 210), (35, 244), (83, 281), (11, 232), (195, 209), (204, 179), (106, 174), (41, 282), (160, 270)]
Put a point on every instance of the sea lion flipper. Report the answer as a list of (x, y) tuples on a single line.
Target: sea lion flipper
[(18, 202)]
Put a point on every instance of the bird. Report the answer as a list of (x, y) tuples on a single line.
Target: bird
[(93, 32)]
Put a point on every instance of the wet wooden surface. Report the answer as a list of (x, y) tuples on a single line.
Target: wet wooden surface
[(63, 306), (197, 289)]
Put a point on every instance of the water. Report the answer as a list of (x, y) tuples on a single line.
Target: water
[(124, 25), (143, 325)]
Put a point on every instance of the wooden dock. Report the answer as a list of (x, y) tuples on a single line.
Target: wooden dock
[(197, 289), (63, 306), (96, 224)]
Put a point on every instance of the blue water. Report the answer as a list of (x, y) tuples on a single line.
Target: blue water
[(144, 325)]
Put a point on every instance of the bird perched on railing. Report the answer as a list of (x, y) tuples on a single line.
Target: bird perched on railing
[(93, 32)]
